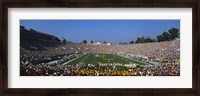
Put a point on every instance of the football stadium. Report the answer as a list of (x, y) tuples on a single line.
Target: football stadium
[(43, 54)]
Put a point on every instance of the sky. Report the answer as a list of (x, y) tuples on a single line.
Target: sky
[(113, 31)]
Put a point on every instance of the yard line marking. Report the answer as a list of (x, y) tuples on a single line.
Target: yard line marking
[(82, 61), (113, 57), (72, 60)]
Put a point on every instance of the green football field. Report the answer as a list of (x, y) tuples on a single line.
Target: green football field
[(92, 58)]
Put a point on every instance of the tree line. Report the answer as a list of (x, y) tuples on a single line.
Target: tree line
[(91, 42), (172, 34)]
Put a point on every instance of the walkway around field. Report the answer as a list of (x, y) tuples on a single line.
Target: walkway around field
[(82, 61), (72, 60)]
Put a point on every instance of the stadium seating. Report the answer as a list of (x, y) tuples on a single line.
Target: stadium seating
[(42, 55)]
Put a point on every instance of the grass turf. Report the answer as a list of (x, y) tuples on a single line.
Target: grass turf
[(92, 58)]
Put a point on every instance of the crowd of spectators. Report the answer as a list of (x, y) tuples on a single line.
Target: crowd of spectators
[(36, 62), (88, 70)]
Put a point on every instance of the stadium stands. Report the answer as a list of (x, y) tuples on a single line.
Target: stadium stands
[(42, 55), (31, 39)]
